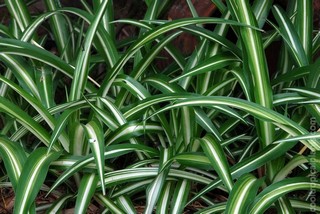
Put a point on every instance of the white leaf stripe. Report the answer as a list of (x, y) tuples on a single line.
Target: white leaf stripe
[(87, 188), (266, 199), (216, 156)]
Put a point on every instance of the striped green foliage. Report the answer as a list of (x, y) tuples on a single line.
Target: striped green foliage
[(136, 125)]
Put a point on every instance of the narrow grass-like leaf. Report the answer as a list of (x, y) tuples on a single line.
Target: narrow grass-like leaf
[(155, 188), (82, 65), (164, 200), (125, 203), (251, 163), (133, 129), (148, 37), (111, 152), (299, 138), (212, 64), (252, 108), (14, 111), (104, 116), (180, 196), (109, 204), (290, 36), (44, 113), (276, 190), (58, 204), (19, 11), (32, 177), (95, 136), (304, 21), (86, 191), (215, 154), (61, 33), (22, 72), (244, 191), (287, 169), (17, 47), (61, 124), (14, 158), (256, 62)]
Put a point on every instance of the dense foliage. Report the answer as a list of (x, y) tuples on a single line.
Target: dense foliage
[(92, 123)]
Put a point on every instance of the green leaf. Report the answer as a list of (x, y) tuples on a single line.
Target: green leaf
[(213, 63), (32, 177), (155, 188), (58, 204), (82, 63), (290, 36), (243, 192), (86, 191), (215, 154), (109, 204), (273, 192), (180, 196), (14, 158), (96, 141)]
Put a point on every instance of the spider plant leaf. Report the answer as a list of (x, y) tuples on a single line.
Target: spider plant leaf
[(309, 92), (96, 141), (281, 99), (23, 118), (304, 205), (43, 112), (126, 204), (299, 138), (44, 81), (295, 74), (22, 71), (63, 37), (132, 129), (244, 191), (32, 177), (112, 151), (304, 23), (275, 191), (290, 36), (180, 196), (82, 63), (150, 36), (296, 161), (104, 116), (215, 154), (248, 164), (217, 208), (256, 110), (4, 30), (164, 199), (86, 191), (17, 47), (58, 204), (261, 9), (126, 175), (155, 188), (60, 126), (201, 117), (213, 63), (255, 61), (193, 159), (114, 208), (14, 158), (19, 10)]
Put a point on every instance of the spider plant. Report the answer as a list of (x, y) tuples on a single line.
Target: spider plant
[(94, 124)]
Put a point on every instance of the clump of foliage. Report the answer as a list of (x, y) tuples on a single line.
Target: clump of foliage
[(91, 121)]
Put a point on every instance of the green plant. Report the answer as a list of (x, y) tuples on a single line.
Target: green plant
[(216, 127)]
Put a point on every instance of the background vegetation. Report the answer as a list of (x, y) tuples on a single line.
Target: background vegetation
[(109, 115)]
